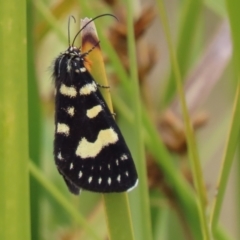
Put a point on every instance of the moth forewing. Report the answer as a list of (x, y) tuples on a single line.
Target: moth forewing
[(89, 149)]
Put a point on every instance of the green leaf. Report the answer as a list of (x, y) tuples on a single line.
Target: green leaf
[(14, 175)]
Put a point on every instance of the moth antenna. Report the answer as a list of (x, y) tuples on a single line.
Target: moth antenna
[(69, 27), (106, 14)]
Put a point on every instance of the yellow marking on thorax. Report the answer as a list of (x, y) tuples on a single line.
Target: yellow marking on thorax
[(87, 149)]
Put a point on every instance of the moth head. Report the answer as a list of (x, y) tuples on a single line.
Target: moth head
[(65, 63)]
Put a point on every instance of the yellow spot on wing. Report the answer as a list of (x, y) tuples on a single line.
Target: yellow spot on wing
[(87, 149), (63, 128), (68, 91), (88, 88), (93, 112)]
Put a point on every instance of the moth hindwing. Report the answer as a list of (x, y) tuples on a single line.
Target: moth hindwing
[(89, 149)]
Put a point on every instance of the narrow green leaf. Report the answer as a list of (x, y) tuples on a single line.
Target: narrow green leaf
[(233, 137), (191, 141), (34, 123), (228, 157), (62, 200), (14, 176), (143, 229), (189, 20)]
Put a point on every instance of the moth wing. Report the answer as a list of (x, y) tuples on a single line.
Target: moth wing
[(90, 151)]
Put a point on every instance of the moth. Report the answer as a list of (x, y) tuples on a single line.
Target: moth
[(89, 149)]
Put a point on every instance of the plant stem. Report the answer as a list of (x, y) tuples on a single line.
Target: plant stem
[(192, 148), (14, 175), (144, 222)]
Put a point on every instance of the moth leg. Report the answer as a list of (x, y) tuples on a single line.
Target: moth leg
[(102, 86)]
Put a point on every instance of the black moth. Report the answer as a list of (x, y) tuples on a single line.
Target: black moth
[(89, 149)]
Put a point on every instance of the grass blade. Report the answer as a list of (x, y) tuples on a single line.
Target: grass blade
[(233, 136), (14, 176), (191, 141), (142, 208), (190, 18)]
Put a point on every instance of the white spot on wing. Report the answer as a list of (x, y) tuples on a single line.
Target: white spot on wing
[(99, 180), (88, 88), (80, 174), (126, 173), (90, 179), (87, 149), (131, 188), (63, 128), (71, 166), (109, 167), (124, 157), (59, 156), (109, 181), (94, 111), (119, 178), (68, 91), (117, 163)]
